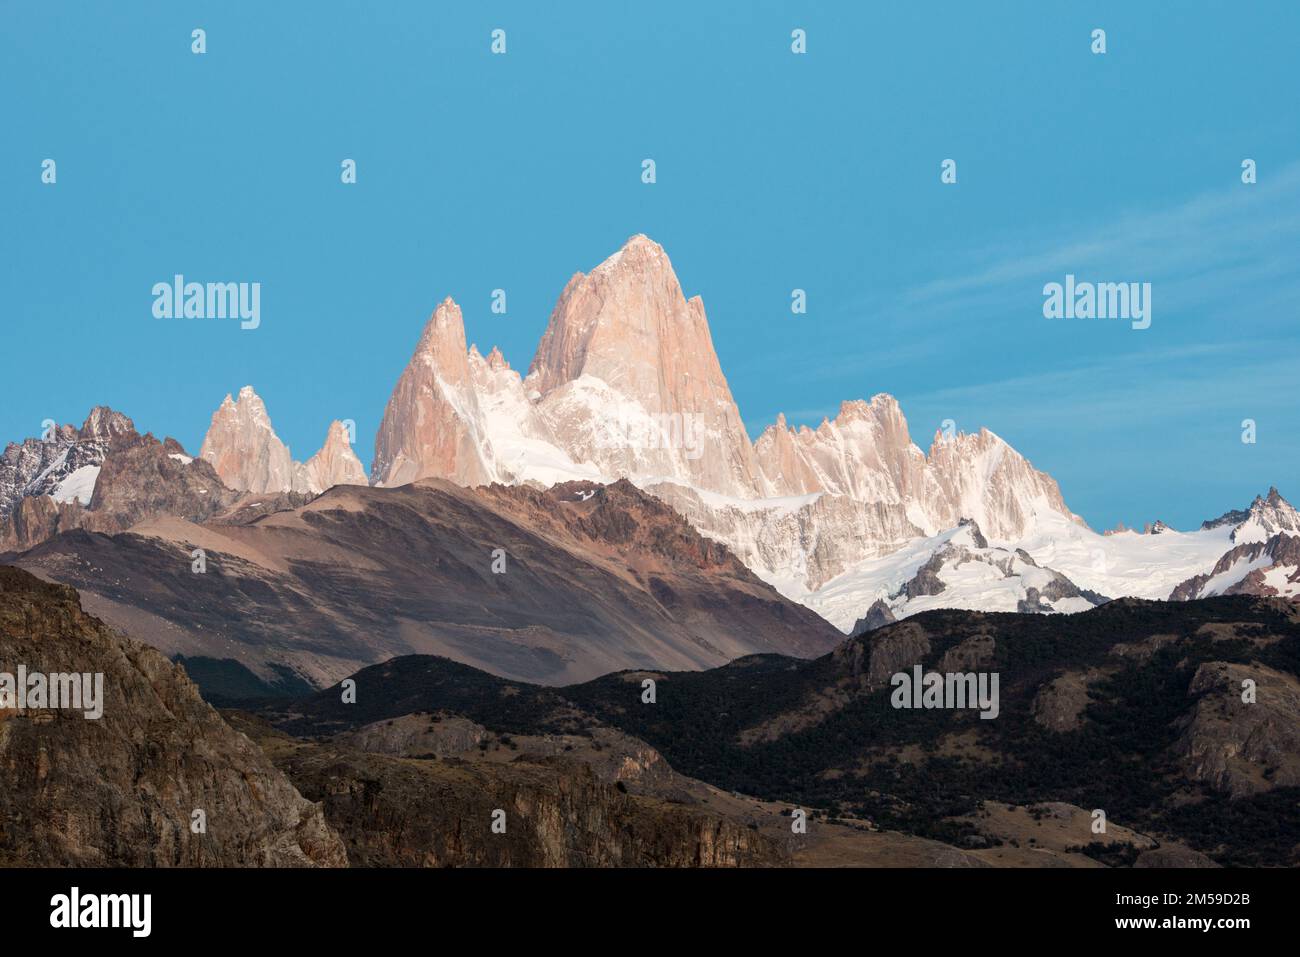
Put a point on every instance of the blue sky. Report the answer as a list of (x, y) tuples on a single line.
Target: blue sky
[(775, 171)]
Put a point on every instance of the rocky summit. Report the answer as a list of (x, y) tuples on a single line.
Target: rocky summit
[(242, 447)]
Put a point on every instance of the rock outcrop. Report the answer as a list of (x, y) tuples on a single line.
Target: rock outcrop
[(1239, 746), (877, 616), (124, 789), (1175, 856), (1060, 704)]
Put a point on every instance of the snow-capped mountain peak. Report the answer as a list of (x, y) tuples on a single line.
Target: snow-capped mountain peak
[(1262, 557), (63, 464), (1268, 515), (958, 568), (625, 383)]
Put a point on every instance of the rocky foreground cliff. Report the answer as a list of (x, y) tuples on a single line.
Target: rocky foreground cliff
[(158, 780)]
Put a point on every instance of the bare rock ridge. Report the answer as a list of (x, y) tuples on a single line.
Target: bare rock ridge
[(242, 446), (877, 616), (156, 754), (1267, 516), (1270, 567)]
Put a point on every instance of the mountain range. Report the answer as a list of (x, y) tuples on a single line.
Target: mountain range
[(584, 599), (616, 473)]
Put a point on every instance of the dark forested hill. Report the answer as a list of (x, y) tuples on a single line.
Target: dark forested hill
[(1180, 719)]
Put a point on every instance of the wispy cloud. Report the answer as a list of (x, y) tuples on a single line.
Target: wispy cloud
[(1138, 387), (1224, 229)]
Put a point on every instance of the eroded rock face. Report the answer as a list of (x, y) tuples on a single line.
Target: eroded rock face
[(37, 518), (121, 791), (416, 735), (903, 646), (898, 650), (969, 654), (1239, 747), (143, 477)]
